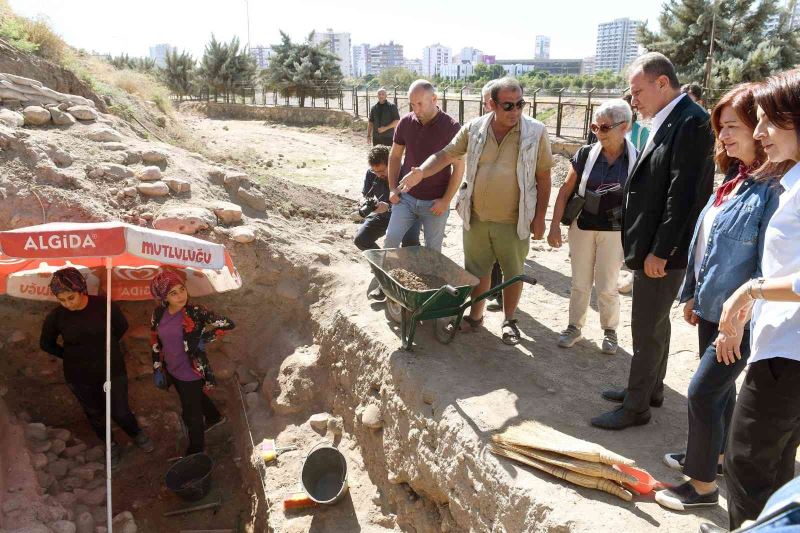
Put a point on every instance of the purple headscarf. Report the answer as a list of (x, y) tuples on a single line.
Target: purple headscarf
[(164, 282)]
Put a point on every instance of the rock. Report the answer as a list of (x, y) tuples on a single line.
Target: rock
[(154, 157), (60, 118), (131, 158), (67, 499), (40, 446), (33, 528), (243, 234), (226, 212), (244, 375), (625, 282), (11, 118), (59, 433), (45, 479), (48, 173), (155, 188), (92, 498), (233, 180), (319, 421), (85, 523), (36, 116), (95, 454), (39, 461), (149, 174), (252, 199), (58, 468), (36, 430), (104, 134), (83, 112), (371, 417), (115, 170), (113, 146), (130, 192), (186, 220), (178, 185), (63, 526), (60, 157), (85, 472), (100, 515), (296, 378), (124, 522), (72, 451), (16, 337), (334, 426), (73, 482)]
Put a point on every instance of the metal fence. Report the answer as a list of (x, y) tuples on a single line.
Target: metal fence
[(565, 113)]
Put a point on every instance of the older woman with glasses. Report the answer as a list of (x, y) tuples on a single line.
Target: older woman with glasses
[(590, 203)]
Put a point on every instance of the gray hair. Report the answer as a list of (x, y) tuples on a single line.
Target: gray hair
[(655, 65), (487, 89), (507, 83), (382, 89), (616, 110), (421, 84)]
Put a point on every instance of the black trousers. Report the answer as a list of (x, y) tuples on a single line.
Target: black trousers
[(651, 329), (374, 227), (93, 401), (764, 436), (712, 397), (497, 279), (198, 411)]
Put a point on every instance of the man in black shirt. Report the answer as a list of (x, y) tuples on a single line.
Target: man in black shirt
[(376, 186), (383, 117), (80, 321)]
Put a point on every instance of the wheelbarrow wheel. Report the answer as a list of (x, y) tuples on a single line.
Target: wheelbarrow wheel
[(394, 311), (443, 331)]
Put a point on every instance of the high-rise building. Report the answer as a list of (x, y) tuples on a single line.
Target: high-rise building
[(542, 50), (434, 57), (385, 56), (159, 54), (617, 44), (360, 60), (339, 45), (796, 15), (414, 65), (470, 56), (262, 55)]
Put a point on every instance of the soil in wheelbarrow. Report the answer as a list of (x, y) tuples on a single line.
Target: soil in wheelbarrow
[(416, 282)]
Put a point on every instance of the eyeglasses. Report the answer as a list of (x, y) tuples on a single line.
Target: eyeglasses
[(508, 106), (605, 128)]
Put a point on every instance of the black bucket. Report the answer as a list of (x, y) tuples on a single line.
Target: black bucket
[(324, 474), (190, 478)]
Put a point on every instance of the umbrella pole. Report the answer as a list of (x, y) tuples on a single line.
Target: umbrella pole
[(107, 388)]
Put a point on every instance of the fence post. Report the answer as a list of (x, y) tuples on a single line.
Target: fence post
[(325, 92), (444, 98), (395, 95), (341, 96), (560, 112), (587, 121), (461, 105), (355, 100), (535, 103)]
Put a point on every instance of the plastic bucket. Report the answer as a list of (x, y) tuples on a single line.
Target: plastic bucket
[(324, 474), (190, 477)]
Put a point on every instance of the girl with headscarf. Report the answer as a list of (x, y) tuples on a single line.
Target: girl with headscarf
[(80, 321), (179, 332)]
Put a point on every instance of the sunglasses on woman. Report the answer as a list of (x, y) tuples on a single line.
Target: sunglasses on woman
[(605, 128), (508, 106)]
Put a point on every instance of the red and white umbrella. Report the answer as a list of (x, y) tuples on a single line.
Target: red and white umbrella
[(127, 257)]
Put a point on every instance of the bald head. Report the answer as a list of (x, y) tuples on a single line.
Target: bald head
[(422, 97)]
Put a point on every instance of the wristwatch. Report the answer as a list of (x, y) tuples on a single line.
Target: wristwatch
[(755, 289)]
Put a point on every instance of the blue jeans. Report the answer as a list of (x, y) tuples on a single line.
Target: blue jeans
[(406, 213)]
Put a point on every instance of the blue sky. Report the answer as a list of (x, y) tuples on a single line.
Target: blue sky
[(506, 29)]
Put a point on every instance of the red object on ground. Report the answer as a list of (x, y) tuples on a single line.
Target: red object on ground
[(646, 484), (298, 500)]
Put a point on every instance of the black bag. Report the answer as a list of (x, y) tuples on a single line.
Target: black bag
[(572, 209)]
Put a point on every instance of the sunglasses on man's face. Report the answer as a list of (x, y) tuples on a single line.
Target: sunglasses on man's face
[(605, 128), (508, 106)]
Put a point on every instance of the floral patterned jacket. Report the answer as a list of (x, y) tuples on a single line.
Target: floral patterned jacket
[(200, 326)]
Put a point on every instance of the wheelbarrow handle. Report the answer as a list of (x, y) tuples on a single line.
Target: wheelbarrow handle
[(528, 279), (449, 289)]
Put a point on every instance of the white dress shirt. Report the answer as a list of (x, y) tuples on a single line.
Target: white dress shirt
[(776, 325), (659, 119)]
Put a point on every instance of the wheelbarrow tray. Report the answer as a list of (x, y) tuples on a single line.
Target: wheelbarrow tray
[(426, 262)]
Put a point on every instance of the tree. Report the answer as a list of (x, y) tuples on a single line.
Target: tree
[(226, 66), (396, 76), (752, 39), (212, 66), (179, 72), (303, 69)]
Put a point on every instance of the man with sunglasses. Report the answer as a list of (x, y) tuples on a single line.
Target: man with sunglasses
[(504, 197), (665, 192)]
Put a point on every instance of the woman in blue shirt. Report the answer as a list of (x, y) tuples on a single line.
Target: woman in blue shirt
[(725, 252)]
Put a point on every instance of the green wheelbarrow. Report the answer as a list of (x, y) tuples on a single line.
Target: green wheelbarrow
[(444, 306)]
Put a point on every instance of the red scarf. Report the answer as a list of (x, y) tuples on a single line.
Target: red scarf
[(729, 186)]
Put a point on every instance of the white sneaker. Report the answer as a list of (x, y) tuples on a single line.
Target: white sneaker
[(569, 337)]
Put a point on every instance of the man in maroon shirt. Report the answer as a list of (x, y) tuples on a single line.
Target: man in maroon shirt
[(418, 135)]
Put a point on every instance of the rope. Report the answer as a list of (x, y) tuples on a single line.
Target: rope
[(260, 462)]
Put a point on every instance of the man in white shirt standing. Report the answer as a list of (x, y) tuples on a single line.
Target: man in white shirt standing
[(667, 189)]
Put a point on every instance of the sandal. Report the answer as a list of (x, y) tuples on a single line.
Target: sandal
[(511, 334), (467, 324)]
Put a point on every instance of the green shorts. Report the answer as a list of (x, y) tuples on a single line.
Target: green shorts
[(487, 242)]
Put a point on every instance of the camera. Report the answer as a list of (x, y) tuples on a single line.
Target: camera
[(367, 206)]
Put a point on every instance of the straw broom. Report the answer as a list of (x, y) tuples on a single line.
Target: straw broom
[(589, 482), (576, 465), (533, 435)]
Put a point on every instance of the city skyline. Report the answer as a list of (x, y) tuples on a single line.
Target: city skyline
[(571, 37)]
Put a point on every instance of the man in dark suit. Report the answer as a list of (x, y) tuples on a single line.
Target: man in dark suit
[(670, 183)]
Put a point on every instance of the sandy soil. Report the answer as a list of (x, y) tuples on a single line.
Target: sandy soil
[(535, 380)]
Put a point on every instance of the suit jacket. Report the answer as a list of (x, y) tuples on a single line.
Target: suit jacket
[(668, 187)]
